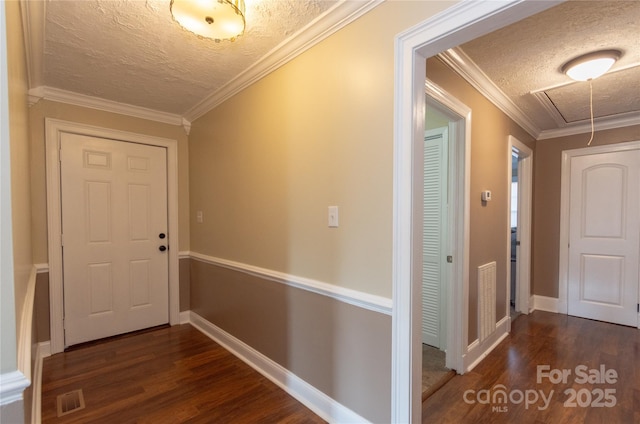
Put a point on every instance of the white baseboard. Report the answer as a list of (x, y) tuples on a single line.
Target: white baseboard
[(321, 404), (544, 303), (477, 350), (43, 350), (184, 317), (12, 384)]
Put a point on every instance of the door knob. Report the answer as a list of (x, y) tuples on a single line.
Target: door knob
[(162, 235), (162, 248)]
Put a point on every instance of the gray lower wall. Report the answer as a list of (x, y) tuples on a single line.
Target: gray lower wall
[(185, 286), (342, 350)]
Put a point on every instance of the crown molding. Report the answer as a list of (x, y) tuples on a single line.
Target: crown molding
[(620, 120), (458, 60), (33, 27), (69, 97), (342, 14)]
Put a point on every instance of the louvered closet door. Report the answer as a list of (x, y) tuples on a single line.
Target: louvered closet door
[(114, 208), (434, 225)]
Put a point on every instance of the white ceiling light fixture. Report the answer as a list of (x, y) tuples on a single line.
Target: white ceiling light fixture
[(215, 19), (591, 65)]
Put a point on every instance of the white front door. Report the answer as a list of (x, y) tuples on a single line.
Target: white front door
[(604, 237), (114, 223), (436, 148)]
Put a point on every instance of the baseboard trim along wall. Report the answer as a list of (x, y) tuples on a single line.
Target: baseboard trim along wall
[(544, 303), (353, 297), (321, 404), (43, 350), (477, 350)]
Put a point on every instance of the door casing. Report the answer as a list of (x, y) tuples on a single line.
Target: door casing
[(458, 24), (525, 187), (53, 130)]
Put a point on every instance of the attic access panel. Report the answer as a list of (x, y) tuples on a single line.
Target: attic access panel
[(614, 93)]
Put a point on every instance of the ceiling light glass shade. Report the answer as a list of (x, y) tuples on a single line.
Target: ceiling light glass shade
[(215, 19), (591, 65)]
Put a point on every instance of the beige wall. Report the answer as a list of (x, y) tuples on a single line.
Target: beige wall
[(48, 109), (489, 171), (19, 145), (546, 212), (267, 163)]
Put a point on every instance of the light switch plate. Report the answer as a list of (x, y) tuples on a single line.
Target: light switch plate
[(333, 217)]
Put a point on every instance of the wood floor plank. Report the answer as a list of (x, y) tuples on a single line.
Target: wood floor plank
[(168, 375), (561, 342)]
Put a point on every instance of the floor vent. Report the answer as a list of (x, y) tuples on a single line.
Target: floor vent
[(70, 402)]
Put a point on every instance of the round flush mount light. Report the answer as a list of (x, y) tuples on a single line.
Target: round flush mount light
[(591, 65), (215, 19)]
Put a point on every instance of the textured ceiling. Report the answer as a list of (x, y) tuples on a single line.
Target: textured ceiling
[(133, 52), (526, 57)]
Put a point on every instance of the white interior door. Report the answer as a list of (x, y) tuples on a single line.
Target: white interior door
[(114, 222), (604, 237), (434, 228)]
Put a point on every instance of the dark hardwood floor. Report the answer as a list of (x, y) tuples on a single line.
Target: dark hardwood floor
[(562, 343), (168, 375)]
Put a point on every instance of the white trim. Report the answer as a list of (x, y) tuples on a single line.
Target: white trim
[(456, 25), (185, 317), (41, 268), (43, 350), (544, 303), (350, 296), (184, 254), (620, 120), (525, 198), (321, 404), (26, 323), (54, 129), (33, 27), (565, 181), (337, 17), (462, 64), (7, 309), (69, 97), (477, 351), (457, 304), (12, 384)]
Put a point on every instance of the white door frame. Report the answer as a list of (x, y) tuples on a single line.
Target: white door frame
[(523, 255), (54, 129), (563, 268), (458, 24), (457, 232)]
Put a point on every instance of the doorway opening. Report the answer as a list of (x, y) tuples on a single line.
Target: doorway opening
[(456, 25), (444, 224), (519, 232), (54, 132), (444, 138)]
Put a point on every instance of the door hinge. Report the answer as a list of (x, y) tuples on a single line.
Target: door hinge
[(62, 239), (450, 259), (60, 155), (638, 307)]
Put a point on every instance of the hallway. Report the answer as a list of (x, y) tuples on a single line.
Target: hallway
[(577, 347)]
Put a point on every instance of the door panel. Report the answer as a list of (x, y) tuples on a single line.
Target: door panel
[(114, 206), (604, 236), (434, 224)]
